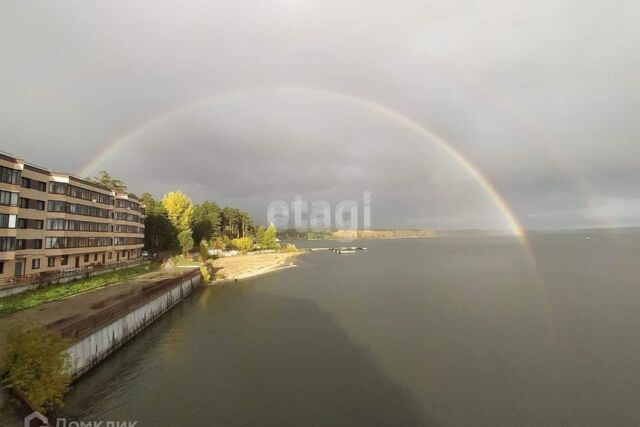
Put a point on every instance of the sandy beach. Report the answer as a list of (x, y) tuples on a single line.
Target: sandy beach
[(244, 267)]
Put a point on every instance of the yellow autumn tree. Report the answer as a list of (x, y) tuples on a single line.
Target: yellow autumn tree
[(179, 209), (35, 363)]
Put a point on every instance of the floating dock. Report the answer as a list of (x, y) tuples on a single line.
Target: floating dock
[(340, 250), (346, 251)]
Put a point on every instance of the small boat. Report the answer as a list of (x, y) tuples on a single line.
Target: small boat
[(346, 251)]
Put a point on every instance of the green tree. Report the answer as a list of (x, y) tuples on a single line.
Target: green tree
[(159, 232), (236, 223), (266, 237), (204, 250), (36, 364), (185, 240), (243, 244), (230, 217), (206, 221), (246, 224), (110, 182), (179, 209)]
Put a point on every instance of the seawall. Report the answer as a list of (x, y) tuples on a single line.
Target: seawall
[(94, 339)]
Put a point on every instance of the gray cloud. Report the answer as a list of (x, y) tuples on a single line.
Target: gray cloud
[(541, 96)]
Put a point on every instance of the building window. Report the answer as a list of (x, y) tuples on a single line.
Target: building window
[(57, 187), (51, 261), (77, 242), (80, 193), (64, 260), (110, 255), (9, 176), (57, 206), (36, 224), (86, 257), (35, 263), (54, 243), (95, 257), (42, 186), (8, 198), (22, 244), (55, 224), (1, 267), (31, 204), (25, 182), (8, 221), (7, 244)]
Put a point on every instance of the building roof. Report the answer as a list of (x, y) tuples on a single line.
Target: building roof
[(72, 177)]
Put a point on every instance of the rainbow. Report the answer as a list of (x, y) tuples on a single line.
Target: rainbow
[(401, 119)]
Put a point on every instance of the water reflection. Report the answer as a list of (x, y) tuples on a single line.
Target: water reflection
[(244, 360)]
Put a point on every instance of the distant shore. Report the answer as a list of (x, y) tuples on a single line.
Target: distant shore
[(350, 235)]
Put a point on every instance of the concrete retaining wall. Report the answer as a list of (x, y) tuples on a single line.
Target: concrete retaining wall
[(95, 347)]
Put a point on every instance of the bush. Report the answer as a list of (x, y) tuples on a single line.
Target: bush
[(36, 363), (244, 244), (206, 276), (170, 264), (222, 242), (289, 247)]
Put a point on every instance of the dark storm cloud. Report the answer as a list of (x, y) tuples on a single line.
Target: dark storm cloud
[(541, 96)]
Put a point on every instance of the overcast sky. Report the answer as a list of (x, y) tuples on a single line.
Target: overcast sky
[(246, 102)]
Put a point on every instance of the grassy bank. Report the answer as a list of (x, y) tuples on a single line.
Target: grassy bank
[(182, 261), (33, 298)]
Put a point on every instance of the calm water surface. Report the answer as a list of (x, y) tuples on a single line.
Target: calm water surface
[(432, 332)]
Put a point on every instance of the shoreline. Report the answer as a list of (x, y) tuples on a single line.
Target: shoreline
[(237, 268), (250, 266)]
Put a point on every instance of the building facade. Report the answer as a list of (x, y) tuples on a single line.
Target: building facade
[(53, 220)]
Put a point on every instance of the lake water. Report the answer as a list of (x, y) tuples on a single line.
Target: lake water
[(453, 331)]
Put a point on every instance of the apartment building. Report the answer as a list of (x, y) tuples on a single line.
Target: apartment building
[(53, 220)]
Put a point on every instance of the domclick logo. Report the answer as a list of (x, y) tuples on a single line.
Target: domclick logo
[(36, 419), (303, 215), (63, 422)]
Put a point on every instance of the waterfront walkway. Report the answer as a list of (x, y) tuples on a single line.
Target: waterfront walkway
[(73, 309)]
